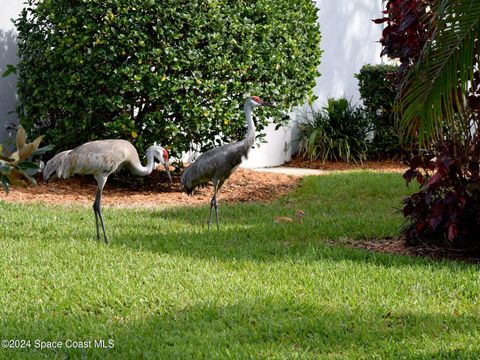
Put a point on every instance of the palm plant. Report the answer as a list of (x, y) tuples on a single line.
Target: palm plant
[(442, 87)]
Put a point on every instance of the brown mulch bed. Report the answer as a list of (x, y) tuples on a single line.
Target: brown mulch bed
[(244, 185), (398, 246)]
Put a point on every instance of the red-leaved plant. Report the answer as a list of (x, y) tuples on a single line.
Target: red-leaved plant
[(446, 210), (407, 29)]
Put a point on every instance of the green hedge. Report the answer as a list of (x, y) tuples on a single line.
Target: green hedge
[(378, 86), (171, 71)]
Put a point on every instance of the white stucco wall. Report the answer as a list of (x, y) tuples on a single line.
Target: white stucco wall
[(349, 40), (8, 55), (275, 151)]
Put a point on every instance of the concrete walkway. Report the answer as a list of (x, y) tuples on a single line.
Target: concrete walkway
[(291, 171)]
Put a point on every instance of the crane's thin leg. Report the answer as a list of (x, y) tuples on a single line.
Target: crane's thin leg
[(213, 203), (210, 217), (101, 180), (216, 212), (96, 216)]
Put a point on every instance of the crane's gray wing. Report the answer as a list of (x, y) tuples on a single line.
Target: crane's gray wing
[(60, 164), (215, 165), (197, 174), (95, 158)]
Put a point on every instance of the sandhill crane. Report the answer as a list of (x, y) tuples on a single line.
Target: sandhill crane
[(217, 164), (101, 158)]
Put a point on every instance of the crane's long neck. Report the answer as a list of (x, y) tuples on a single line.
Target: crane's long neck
[(140, 170), (250, 138)]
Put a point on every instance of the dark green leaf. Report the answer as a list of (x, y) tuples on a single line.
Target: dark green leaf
[(10, 70), (42, 150)]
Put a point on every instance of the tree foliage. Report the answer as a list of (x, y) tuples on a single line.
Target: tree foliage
[(439, 107), (171, 71), (437, 44), (407, 29)]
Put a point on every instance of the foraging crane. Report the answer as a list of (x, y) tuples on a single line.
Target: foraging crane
[(216, 165), (101, 158)]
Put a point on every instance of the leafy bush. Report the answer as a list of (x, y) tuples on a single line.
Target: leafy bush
[(171, 71), (16, 169), (337, 132), (378, 87), (446, 210)]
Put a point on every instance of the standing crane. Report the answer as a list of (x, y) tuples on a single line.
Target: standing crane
[(101, 158), (216, 165)]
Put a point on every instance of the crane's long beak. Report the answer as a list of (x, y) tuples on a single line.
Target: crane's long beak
[(166, 166), (270, 104)]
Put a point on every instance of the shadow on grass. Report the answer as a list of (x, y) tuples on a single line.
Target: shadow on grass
[(252, 236), (254, 241), (253, 330)]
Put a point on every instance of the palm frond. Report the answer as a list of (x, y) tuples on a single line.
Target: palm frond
[(433, 91)]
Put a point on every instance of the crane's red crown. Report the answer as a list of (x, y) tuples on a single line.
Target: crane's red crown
[(257, 99), (165, 154)]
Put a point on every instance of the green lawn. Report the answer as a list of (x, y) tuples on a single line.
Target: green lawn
[(165, 287)]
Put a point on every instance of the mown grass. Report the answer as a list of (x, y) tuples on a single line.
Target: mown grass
[(165, 287)]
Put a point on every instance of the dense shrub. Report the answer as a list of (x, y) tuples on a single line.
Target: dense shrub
[(378, 87), (336, 132), (171, 71)]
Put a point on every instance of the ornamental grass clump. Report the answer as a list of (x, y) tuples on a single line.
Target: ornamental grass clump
[(337, 132)]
